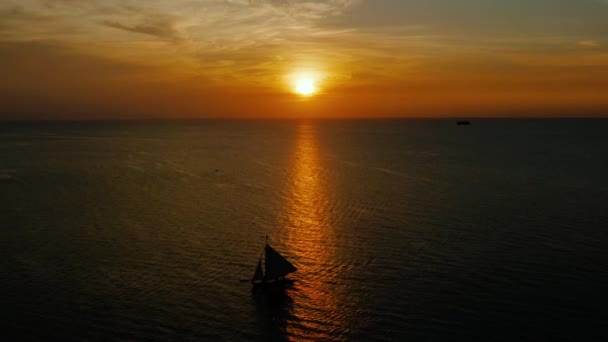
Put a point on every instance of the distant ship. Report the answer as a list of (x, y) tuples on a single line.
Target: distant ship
[(463, 123), (276, 267)]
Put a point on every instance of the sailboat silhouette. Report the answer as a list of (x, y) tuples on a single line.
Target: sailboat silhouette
[(276, 267)]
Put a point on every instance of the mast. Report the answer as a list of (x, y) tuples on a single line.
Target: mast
[(259, 274)]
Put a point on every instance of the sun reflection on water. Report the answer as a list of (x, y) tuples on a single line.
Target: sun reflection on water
[(310, 236)]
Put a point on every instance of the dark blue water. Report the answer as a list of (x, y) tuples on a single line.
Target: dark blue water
[(401, 230)]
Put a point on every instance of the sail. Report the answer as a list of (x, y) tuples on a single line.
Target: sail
[(276, 264), (258, 276)]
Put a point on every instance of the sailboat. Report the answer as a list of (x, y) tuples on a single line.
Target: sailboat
[(276, 267)]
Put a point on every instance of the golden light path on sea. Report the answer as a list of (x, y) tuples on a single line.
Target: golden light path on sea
[(311, 239)]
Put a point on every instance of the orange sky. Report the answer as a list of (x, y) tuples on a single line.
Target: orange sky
[(67, 59)]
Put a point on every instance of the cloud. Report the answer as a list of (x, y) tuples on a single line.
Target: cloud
[(307, 9), (16, 20), (158, 25), (588, 44)]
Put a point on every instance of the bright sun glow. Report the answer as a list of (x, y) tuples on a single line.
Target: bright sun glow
[(305, 82), (305, 86)]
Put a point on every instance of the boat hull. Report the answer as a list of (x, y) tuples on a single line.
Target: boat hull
[(274, 283)]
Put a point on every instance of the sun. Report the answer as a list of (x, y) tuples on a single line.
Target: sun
[(305, 82), (305, 86)]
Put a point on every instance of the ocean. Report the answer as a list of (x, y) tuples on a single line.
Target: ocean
[(417, 230)]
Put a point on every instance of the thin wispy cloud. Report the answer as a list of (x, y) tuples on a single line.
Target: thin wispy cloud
[(158, 25), (588, 44)]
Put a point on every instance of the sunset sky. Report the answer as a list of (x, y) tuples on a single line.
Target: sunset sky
[(64, 59)]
